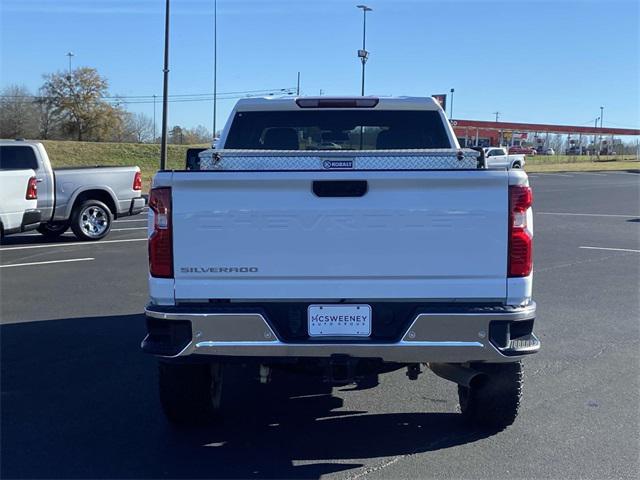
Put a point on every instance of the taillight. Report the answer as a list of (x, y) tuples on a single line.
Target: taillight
[(32, 189), (137, 181), (520, 234), (161, 239)]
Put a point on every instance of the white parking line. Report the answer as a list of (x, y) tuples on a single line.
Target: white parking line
[(555, 174), (48, 263), (71, 244), (138, 220), (612, 249), (587, 214), (125, 229), (591, 173)]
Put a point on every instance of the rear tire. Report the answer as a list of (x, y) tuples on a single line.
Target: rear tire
[(53, 230), (494, 400), (91, 220), (190, 394)]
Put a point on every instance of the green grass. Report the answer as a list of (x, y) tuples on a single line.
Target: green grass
[(147, 157), (580, 163)]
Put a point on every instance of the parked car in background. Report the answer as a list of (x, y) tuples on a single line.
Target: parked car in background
[(498, 157), (547, 151), (85, 199), (523, 150), (398, 251), (18, 198)]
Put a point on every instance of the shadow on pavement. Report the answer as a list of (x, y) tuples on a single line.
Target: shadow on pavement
[(79, 400)]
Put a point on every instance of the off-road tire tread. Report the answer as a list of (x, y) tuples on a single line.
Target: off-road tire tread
[(495, 401)]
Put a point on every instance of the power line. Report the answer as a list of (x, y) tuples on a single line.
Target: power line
[(262, 91)]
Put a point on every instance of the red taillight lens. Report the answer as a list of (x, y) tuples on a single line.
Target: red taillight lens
[(137, 181), (520, 237), (161, 240), (32, 189)]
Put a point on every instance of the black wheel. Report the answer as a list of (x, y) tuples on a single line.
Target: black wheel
[(91, 220), (517, 165), (190, 394), (493, 400), (53, 230)]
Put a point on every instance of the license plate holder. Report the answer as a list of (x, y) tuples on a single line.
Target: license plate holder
[(344, 320)]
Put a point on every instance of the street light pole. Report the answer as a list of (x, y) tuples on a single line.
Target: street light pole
[(215, 64), (165, 91), (363, 54), (70, 54), (451, 107)]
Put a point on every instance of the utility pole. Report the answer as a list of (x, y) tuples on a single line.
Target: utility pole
[(215, 64), (363, 54), (70, 55), (497, 114), (165, 91), (298, 86), (451, 107)]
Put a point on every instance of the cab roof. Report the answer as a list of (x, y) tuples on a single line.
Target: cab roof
[(326, 102)]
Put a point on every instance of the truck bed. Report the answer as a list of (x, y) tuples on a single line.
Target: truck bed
[(383, 234)]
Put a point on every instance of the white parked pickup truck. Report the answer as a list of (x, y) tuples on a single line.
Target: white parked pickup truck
[(498, 157), (341, 237)]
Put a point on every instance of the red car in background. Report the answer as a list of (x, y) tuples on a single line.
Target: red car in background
[(522, 150)]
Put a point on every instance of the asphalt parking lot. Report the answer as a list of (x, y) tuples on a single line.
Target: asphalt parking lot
[(79, 399)]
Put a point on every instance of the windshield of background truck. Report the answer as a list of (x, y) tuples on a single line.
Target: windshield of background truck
[(337, 130)]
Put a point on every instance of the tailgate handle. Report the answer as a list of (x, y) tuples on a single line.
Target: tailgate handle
[(340, 188)]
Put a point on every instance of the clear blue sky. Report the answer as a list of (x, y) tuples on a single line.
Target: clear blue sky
[(550, 61)]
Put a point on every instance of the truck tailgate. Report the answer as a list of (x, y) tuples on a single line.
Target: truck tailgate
[(436, 235)]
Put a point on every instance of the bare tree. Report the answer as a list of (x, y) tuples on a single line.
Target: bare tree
[(140, 127), (18, 113)]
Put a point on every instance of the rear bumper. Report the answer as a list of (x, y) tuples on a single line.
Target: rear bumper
[(131, 207), (464, 334), (31, 220)]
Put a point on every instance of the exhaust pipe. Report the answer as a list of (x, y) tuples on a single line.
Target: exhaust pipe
[(463, 376)]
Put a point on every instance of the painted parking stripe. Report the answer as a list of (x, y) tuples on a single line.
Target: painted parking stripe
[(612, 249), (71, 244), (591, 173), (138, 220), (555, 174), (587, 214), (125, 229), (48, 263)]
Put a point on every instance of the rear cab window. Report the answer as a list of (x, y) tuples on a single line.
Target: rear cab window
[(17, 157), (337, 130)]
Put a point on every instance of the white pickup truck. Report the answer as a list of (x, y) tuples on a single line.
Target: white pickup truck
[(18, 201), (392, 248), (85, 199), (498, 157)]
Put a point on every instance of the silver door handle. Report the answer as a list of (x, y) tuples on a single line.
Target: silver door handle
[(40, 180)]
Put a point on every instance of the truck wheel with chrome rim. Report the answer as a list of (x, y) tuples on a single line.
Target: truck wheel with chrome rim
[(53, 230), (91, 220), (190, 394), (494, 400)]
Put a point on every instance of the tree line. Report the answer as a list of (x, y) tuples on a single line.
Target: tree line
[(76, 105)]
